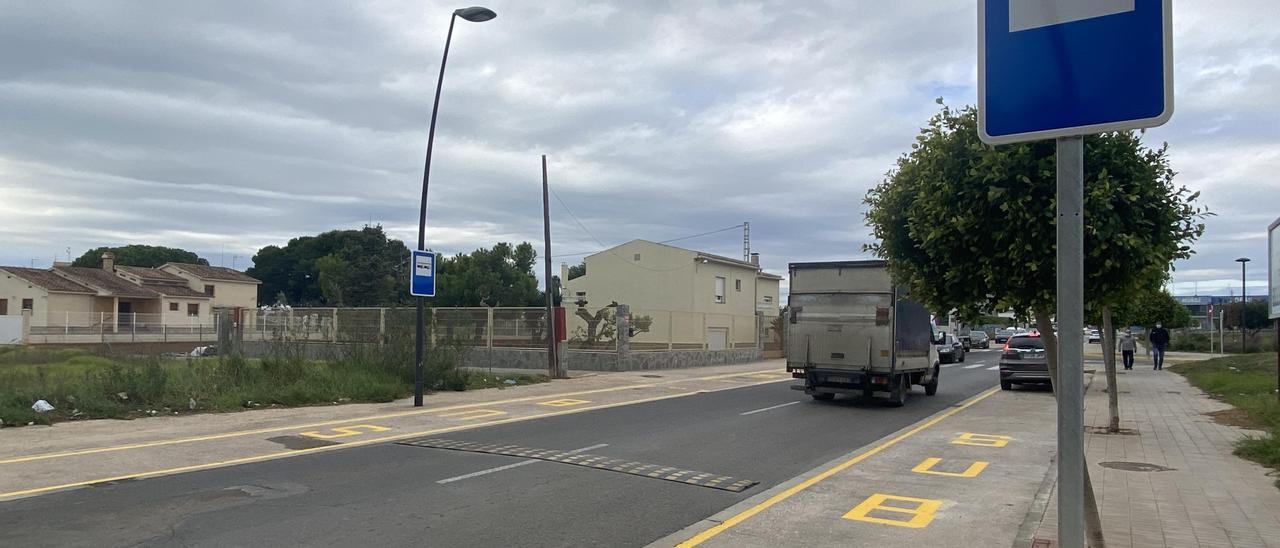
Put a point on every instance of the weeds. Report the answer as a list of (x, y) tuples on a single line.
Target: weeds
[(1247, 382)]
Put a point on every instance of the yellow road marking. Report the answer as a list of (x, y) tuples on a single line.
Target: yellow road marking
[(398, 414), (473, 414), (568, 402), (358, 443), (926, 467), (790, 492), (345, 431), (981, 440), (921, 515)]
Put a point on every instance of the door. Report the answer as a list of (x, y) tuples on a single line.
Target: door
[(717, 338), (4, 307), (124, 311)]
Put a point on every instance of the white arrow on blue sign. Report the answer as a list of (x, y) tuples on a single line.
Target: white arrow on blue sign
[(1055, 68), (422, 273)]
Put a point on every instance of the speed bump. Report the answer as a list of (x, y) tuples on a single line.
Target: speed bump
[(668, 473)]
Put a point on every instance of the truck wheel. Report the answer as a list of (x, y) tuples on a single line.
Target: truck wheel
[(932, 388), (1006, 385), (824, 396), (898, 394)]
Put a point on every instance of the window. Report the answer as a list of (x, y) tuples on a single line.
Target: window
[(4, 307), (208, 290), (768, 298), (719, 289), (173, 307), (27, 304), (193, 309), (737, 286), (637, 256)]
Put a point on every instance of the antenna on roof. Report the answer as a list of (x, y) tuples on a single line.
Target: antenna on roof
[(746, 241)]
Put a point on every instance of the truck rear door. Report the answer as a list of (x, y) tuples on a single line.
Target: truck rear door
[(840, 330)]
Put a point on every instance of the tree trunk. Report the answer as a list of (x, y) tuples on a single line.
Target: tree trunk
[(1109, 364), (1092, 519)]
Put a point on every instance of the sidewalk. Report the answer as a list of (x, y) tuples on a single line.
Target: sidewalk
[(1209, 499)]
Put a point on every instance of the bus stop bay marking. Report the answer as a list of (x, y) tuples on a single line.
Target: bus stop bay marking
[(473, 414), (567, 402), (926, 467), (345, 431), (981, 440), (921, 511)]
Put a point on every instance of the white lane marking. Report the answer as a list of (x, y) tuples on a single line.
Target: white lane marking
[(513, 465), (975, 366), (993, 368), (768, 408), (944, 366)]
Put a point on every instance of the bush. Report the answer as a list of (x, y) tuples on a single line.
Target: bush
[(1189, 342)]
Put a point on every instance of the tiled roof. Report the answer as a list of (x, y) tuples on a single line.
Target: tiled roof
[(105, 281), (174, 290), (151, 274), (46, 279), (214, 272)]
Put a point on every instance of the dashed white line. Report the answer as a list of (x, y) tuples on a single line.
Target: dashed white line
[(769, 408), (513, 465), (975, 366), (944, 366), (993, 368)]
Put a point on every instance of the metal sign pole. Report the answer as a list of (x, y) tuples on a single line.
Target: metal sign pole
[(552, 361), (1070, 316)]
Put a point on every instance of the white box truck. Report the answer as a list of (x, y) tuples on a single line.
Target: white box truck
[(850, 330)]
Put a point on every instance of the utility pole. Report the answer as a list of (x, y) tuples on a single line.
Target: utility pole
[(552, 358), (746, 241)]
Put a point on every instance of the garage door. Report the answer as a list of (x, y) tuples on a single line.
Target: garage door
[(717, 338)]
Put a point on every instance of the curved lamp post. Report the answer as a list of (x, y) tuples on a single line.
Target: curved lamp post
[(475, 14)]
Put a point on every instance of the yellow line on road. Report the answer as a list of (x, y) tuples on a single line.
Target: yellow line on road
[(284, 454), (790, 492)]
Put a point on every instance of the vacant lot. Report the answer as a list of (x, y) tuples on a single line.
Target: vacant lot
[(86, 386), (1248, 382)]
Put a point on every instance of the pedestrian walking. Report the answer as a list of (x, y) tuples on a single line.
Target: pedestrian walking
[(1159, 337), (1128, 345)]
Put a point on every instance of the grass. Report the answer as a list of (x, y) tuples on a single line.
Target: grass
[(1247, 382), (81, 385)]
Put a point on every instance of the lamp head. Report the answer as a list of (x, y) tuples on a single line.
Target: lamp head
[(475, 14)]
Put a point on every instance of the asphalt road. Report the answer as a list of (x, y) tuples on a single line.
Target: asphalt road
[(393, 493)]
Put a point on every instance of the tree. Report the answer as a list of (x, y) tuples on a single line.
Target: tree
[(499, 276), (578, 270), (360, 268), (1146, 307), (147, 256), (1255, 316), (970, 227)]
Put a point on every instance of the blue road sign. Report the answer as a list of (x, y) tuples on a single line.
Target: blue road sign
[(422, 273), (1054, 68)]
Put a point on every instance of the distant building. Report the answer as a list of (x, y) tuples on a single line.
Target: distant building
[(113, 296), (704, 296), (1200, 305)]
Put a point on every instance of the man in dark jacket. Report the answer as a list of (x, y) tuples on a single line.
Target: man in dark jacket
[(1159, 337)]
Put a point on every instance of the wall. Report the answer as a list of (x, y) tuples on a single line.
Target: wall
[(179, 317), (661, 279), (226, 294), (15, 289), (737, 303), (71, 309)]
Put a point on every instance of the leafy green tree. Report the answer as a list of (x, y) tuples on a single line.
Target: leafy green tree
[(1255, 316), (498, 276), (367, 268), (147, 256), (1146, 308), (578, 270), (970, 227)]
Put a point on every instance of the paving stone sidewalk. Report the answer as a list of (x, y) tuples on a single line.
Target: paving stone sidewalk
[(1209, 499)]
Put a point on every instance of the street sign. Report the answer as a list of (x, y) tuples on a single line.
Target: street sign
[(1055, 68), (1273, 268), (422, 273)]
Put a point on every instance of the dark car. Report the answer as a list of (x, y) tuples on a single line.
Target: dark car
[(1024, 361), (979, 339), (950, 350), (1002, 335)]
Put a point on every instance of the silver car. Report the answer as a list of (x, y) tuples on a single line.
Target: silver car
[(1024, 361)]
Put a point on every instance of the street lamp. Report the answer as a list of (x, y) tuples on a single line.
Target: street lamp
[(475, 14), (1243, 301)]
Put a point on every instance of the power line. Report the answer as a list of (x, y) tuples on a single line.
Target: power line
[(725, 229), (610, 249)]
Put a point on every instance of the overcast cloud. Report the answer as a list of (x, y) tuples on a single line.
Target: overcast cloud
[(222, 127)]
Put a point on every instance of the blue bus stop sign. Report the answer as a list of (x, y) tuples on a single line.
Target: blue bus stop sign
[(422, 273), (1055, 68)]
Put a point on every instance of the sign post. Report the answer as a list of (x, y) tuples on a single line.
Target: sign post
[(1062, 69), (1273, 288)]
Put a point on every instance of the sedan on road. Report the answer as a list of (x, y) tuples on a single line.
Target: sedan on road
[(979, 339), (1002, 335), (950, 350), (1024, 361)]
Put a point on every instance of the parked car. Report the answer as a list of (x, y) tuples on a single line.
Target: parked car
[(1093, 335), (979, 339), (1002, 335), (964, 342), (950, 350), (1024, 361)]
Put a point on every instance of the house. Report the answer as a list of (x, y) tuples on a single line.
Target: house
[(687, 297), (107, 299)]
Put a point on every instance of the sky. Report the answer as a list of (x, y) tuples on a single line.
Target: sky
[(223, 127)]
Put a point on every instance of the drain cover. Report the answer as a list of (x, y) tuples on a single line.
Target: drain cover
[(1134, 466)]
